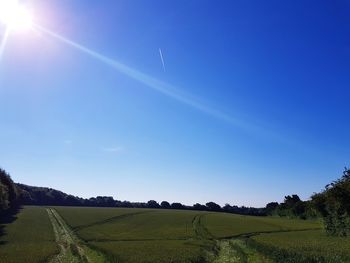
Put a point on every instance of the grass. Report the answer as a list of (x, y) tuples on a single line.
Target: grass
[(84, 216), (151, 225), (304, 246), (164, 251), (128, 235), (29, 238), (155, 235), (222, 225), (237, 250), (139, 235)]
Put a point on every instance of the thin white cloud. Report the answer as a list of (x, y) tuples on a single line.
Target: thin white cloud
[(113, 149), (161, 58), (67, 142)]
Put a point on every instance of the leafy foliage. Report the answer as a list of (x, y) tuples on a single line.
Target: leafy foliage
[(334, 205), (292, 207), (8, 192)]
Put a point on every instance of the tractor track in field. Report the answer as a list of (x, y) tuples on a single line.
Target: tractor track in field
[(136, 240), (111, 219), (235, 249), (72, 249), (232, 249), (251, 234), (229, 249), (199, 228)]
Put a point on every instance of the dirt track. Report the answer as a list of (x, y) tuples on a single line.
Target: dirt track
[(72, 249)]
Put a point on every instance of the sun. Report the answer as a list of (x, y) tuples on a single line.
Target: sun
[(15, 15)]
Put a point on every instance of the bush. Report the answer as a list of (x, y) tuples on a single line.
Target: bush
[(334, 205)]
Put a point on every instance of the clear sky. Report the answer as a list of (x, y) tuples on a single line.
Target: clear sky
[(252, 103)]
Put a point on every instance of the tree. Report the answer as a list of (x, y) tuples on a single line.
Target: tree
[(199, 207), (292, 206), (290, 201), (153, 204), (177, 206), (299, 209), (318, 201), (9, 197), (271, 208), (213, 206), (227, 207), (334, 205), (165, 205)]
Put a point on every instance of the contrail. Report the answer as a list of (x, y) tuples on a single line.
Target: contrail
[(161, 58), (160, 86), (4, 41)]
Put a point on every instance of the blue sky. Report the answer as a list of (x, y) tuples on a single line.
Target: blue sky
[(252, 105)]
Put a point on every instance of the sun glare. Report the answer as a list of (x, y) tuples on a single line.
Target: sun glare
[(14, 15)]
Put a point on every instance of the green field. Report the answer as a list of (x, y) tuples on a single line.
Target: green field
[(223, 225), (151, 235), (29, 238), (139, 235), (129, 224), (304, 246), (132, 235)]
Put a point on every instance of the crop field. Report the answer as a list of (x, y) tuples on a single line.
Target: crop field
[(130, 224), (161, 251), (223, 225), (29, 238), (304, 246), (130, 235), (84, 216), (139, 235), (154, 235)]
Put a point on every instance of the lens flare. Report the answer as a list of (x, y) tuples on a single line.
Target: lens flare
[(14, 15)]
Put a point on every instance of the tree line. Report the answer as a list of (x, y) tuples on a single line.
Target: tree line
[(13, 195), (332, 204), (31, 195)]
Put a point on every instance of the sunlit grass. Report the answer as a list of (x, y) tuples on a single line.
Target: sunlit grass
[(305, 246), (29, 239)]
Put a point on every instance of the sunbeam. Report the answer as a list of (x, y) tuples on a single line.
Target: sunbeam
[(4, 41), (154, 83)]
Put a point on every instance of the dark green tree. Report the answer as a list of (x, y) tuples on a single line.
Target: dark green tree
[(334, 205), (153, 204), (213, 206), (165, 205), (8, 192)]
